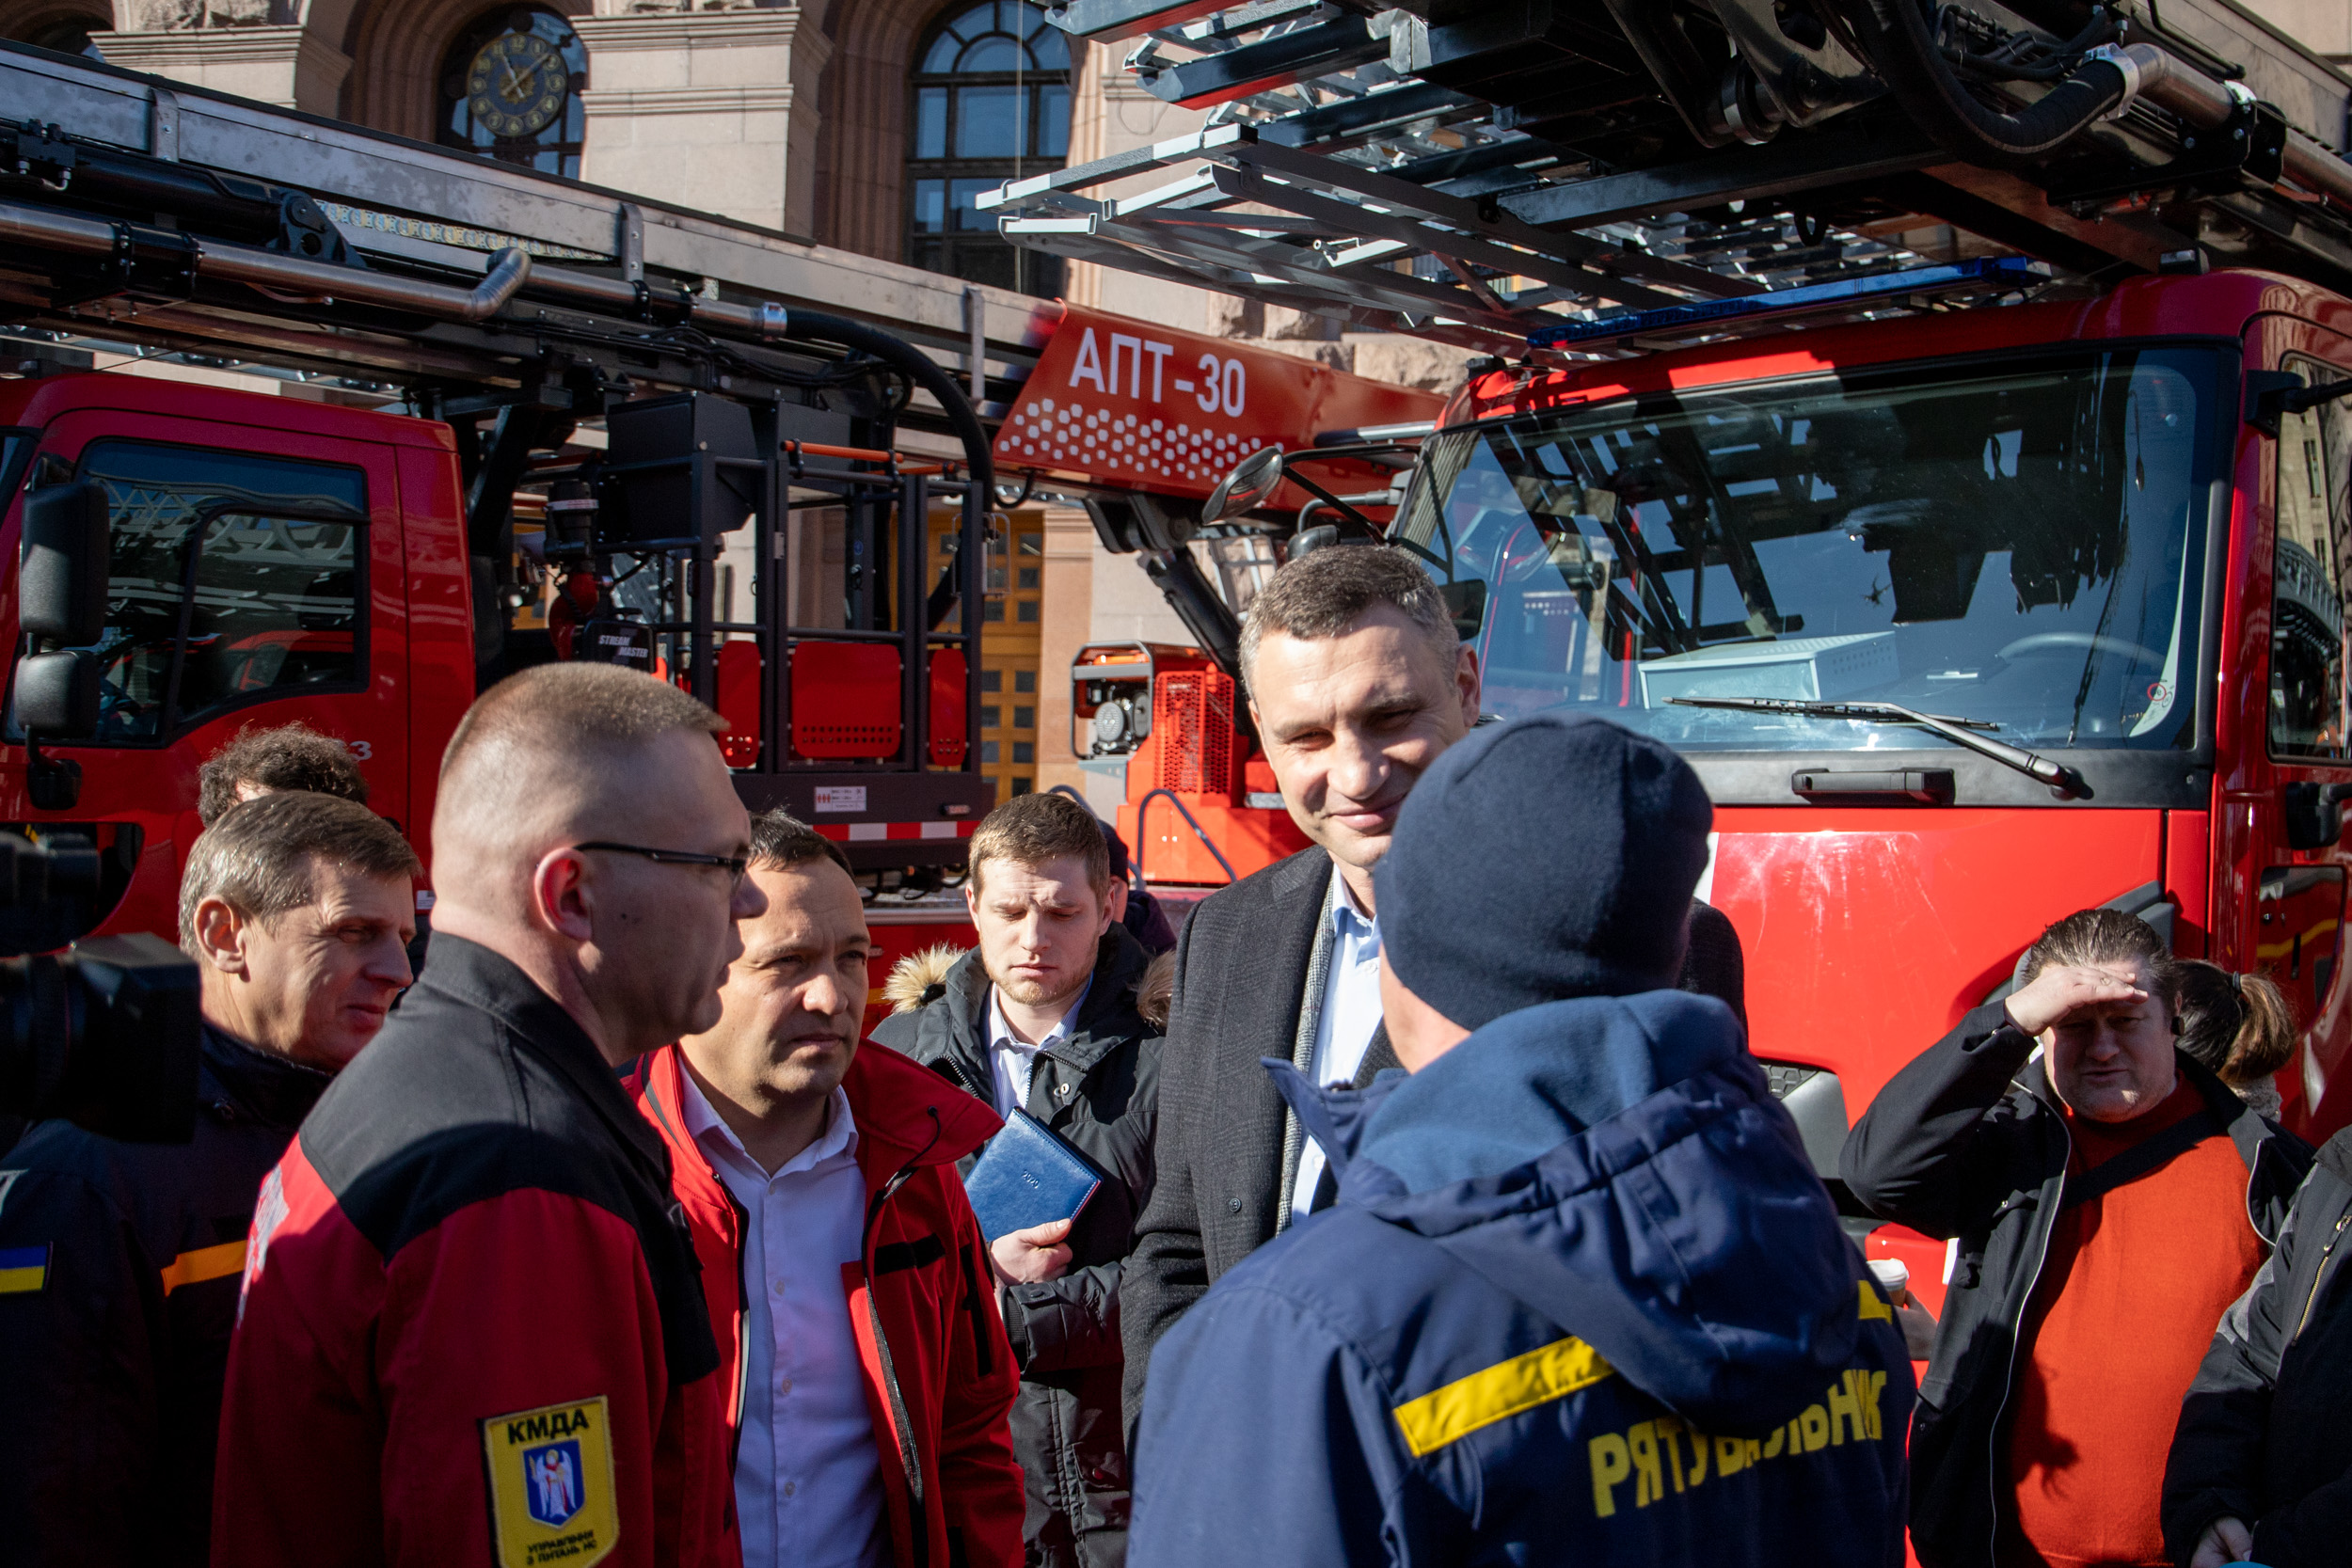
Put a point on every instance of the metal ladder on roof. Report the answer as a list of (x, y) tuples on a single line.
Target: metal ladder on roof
[(1479, 174)]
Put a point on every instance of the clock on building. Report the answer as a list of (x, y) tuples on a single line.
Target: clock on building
[(516, 85), (510, 91)]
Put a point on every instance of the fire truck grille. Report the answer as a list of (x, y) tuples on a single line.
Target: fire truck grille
[(1193, 721), (1786, 1077)]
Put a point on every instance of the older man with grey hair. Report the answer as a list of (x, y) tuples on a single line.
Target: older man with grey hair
[(1357, 683), (118, 1261)]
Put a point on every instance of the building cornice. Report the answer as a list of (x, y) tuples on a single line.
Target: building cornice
[(209, 45), (689, 29), (319, 64), (686, 101)]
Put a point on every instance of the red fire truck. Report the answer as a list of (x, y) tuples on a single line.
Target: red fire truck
[(1925, 419), (196, 560)]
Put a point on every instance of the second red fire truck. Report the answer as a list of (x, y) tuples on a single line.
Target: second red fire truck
[(1931, 428)]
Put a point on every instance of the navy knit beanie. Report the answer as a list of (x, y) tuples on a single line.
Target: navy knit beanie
[(1547, 858)]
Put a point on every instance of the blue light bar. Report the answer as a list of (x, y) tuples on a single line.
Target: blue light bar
[(2000, 273)]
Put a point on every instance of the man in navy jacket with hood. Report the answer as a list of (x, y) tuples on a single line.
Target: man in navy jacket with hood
[(1582, 1298)]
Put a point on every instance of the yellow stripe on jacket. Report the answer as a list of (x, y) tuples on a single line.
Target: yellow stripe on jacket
[(204, 1263), (1452, 1413)]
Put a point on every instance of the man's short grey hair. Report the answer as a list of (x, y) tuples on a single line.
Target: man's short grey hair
[(1323, 595), (261, 857)]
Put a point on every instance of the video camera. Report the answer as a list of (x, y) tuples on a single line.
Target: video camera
[(104, 1034)]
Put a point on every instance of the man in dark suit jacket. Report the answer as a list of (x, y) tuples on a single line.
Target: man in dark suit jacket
[(1358, 682)]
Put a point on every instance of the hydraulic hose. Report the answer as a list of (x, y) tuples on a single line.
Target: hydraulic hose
[(1900, 38), (768, 323), (840, 331)]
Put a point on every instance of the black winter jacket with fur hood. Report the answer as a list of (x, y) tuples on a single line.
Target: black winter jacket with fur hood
[(1096, 1087)]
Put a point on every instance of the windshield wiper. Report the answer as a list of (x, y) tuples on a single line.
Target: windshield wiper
[(2064, 782)]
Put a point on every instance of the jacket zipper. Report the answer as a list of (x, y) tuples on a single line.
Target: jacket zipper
[(984, 1093), (742, 1282), (910, 1455), (742, 1323), (2319, 1277)]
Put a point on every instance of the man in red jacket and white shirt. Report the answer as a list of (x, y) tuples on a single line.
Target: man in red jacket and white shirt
[(471, 1330), (849, 1285)]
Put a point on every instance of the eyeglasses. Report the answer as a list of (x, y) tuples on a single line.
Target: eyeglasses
[(734, 865)]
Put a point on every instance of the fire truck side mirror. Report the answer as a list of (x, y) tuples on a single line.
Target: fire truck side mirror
[(1246, 488), (2313, 813), (57, 695), (61, 583)]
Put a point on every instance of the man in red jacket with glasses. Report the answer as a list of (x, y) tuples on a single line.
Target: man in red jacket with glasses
[(471, 1330), (849, 1285)]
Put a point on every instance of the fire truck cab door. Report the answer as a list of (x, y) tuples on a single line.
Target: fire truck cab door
[(255, 580), (2280, 909)]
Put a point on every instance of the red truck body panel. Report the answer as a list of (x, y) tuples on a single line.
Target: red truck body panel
[(2221, 304), (1120, 402), (1870, 932)]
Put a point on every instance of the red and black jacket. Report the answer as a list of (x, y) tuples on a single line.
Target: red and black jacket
[(472, 1331), (940, 1379)]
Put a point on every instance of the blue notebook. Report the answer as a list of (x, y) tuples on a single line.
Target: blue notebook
[(1027, 1175)]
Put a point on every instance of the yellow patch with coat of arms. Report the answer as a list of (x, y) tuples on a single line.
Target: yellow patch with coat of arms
[(552, 1497)]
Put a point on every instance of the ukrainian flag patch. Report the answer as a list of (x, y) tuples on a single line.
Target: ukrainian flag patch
[(551, 1474), (24, 1269)]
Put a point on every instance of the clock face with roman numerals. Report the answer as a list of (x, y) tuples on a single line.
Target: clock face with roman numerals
[(516, 85)]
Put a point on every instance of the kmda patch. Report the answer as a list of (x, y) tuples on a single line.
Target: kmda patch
[(550, 1473)]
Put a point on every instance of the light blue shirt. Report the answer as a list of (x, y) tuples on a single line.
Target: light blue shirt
[(808, 1479), (1351, 1016), (1011, 1061)]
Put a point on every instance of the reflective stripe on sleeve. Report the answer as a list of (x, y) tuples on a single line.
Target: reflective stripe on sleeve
[(209, 1262), (1449, 1413)]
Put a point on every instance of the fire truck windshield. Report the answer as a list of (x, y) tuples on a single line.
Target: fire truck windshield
[(2018, 544)]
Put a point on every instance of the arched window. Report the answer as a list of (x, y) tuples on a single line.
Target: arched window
[(510, 91), (991, 103)]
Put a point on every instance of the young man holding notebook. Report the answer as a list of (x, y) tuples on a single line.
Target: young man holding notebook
[(848, 1282), (1040, 1019)]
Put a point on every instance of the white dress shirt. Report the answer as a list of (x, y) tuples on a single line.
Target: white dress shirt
[(1012, 1060), (1351, 1016), (808, 1479)]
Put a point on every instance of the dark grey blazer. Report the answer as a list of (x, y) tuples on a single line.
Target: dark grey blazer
[(1241, 977)]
